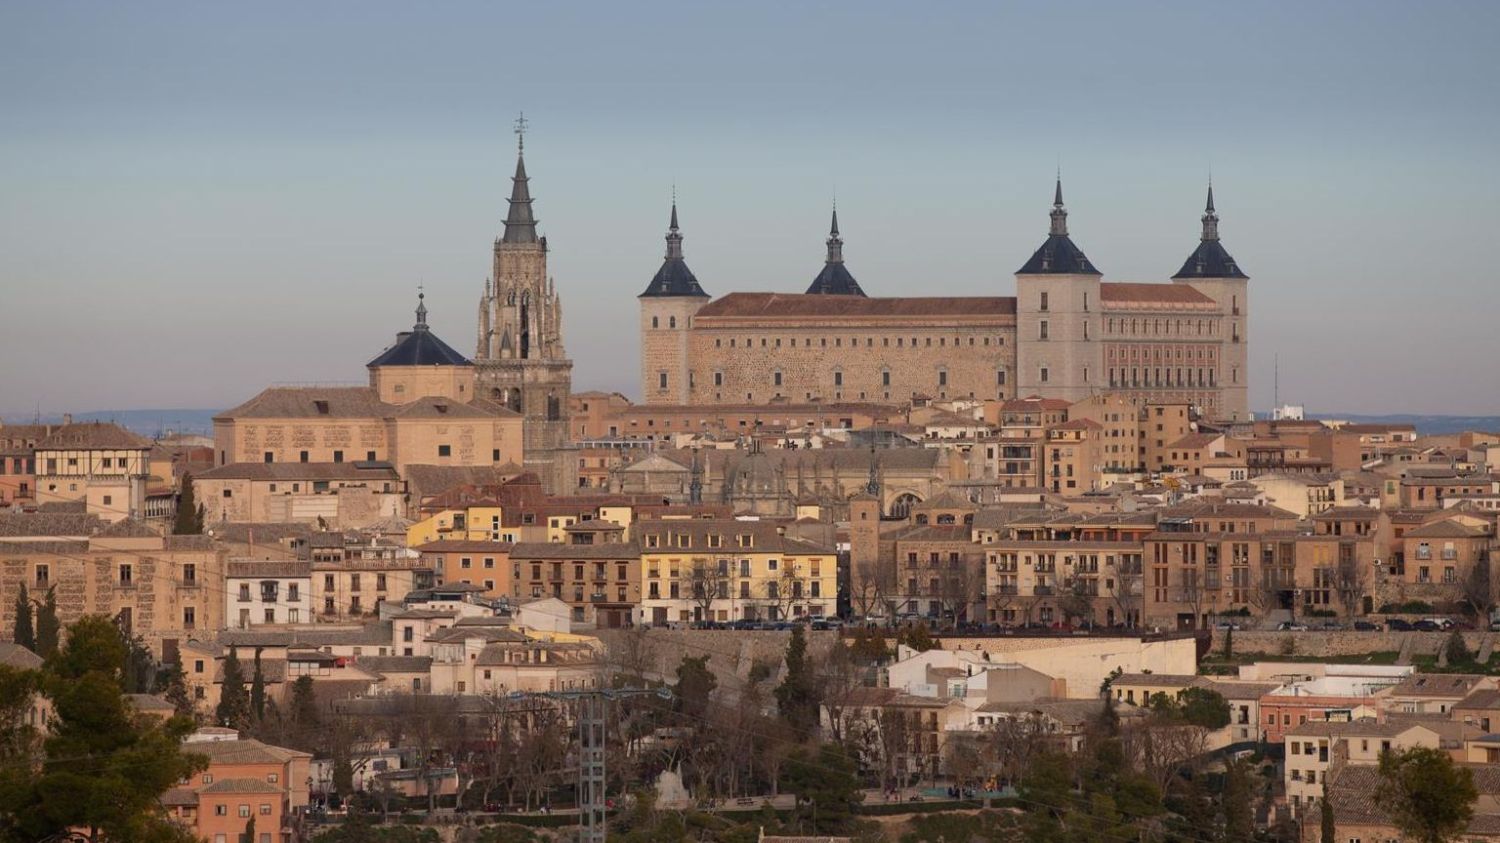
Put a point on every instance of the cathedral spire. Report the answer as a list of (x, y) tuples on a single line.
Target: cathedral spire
[(520, 223), (674, 278), (835, 278), (835, 243), (1059, 213), (1210, 218), (674, 238)]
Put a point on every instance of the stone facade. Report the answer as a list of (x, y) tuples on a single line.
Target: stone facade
[(520, 360), (1065, 334)]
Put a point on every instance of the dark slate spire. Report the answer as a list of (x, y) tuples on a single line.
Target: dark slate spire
[(1058, 255), (520, 224), (674, 278), (835, 279), (1210, 260), (419, 346)]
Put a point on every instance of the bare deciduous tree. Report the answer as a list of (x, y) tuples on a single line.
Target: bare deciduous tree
[(708, 580), (1351, 580)]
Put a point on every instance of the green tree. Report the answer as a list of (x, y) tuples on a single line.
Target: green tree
[(1204, 707), (868, 647), (1238, 802), (234, 700), (103, 768), (140, 665), (1228, 643), (258, 690), (25, 631), (189, 520), (248, 836), (172, 684), (695, 682), (798, 697), (1457, 650), (918, 637), (826, 784), (1429, 798), (1047, 791), (47, 625), (17, 734), (304, 703)]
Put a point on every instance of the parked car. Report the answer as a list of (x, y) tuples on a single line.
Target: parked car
[(1291, 626), (1398, 625), (1366, 626), (1442, 624), (1225, 626)]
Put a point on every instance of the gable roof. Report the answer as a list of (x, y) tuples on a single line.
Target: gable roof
[(91, 435), (790, 305)]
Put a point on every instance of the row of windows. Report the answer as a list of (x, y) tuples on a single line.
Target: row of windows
[(1192, 378), (1158, 353), (777, 378), (854, 342), (1173, 327)]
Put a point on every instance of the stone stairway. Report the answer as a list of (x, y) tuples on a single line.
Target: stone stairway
[(1408, 648)]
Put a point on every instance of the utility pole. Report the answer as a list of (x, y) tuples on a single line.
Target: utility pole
[(591, 709)]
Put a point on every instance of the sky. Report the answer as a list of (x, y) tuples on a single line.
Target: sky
[(198, 200)]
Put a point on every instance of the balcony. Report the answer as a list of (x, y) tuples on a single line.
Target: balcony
[(1007, 590), (1042, 590)]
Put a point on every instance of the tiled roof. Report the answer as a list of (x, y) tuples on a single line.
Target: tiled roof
[(243, 751), (241, 785), (1437, 685), (309, 471), (464, 546), (1446, 529), (1131, 292), (92, 435), (283, 402), (251, 568), (786, 305), (558, 550), (1210, 260), (49, 524), (1058, 255), (14, 655), (395, 664), (419, 347)]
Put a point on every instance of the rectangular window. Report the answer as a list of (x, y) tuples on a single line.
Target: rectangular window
[(1044, 374), (1042, 330), (302, 456), (445, 450), (338, 456)]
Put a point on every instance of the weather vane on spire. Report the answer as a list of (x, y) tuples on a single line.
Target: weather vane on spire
[(521, 124)]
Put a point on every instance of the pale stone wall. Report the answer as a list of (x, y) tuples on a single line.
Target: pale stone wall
[(401, 384), (1232, 295), (1338, 643), (250, 440), (666, 334), (734, 365), (1085, 662), (1068, 353)]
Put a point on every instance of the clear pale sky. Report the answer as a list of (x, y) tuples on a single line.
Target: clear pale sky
[(201, 199)]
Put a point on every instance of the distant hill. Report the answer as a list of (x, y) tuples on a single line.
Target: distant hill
[(1426, 425), (158, 422), (151, 423)]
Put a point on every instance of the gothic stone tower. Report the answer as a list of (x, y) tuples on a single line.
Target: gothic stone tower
[(1211, 271), (667, 308), (1057, 307), (520, 360)]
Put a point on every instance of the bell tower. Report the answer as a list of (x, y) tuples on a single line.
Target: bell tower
[(519, 358)]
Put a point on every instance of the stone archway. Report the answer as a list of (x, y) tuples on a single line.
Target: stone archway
[(900, 506)]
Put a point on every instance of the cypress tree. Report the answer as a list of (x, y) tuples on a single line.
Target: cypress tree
[(1327, 825), (798, 697), (189, 521), (258, 690), (47, 625), (25, 633), (234, 702)]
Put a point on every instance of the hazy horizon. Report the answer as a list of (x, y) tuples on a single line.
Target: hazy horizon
[(199, 201)]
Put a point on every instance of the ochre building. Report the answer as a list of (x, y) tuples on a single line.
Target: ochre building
[(1066, 334)]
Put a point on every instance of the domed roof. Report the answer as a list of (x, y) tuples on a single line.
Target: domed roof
[(419, 347)]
